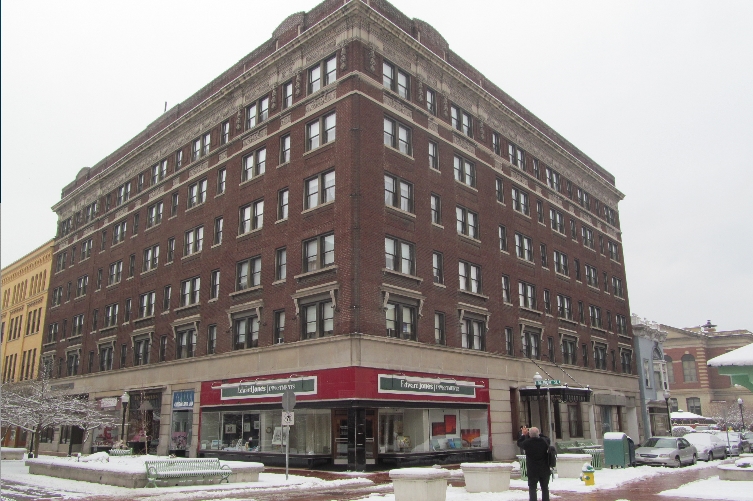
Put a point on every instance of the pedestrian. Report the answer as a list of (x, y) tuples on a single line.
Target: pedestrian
[(536, 447)]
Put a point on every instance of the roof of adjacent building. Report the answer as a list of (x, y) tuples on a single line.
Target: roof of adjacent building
[(740, 357)]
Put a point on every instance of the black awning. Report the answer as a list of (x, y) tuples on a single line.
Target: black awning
[(558, 393)]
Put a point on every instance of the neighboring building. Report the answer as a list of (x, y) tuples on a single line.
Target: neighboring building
[(652, 373), (24, 305), (353, 212), (696, 387)]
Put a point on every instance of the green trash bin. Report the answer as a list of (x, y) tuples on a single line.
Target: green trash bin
[(523, 467), (616, 450), (596, 456)]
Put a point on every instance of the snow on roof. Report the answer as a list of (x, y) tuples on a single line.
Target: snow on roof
[(685, 415), (739, 357)]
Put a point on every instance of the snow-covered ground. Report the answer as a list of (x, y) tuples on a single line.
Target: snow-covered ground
[(713, 488)]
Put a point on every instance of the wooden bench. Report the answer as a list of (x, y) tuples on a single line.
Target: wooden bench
[(120, 452), (160, 469)]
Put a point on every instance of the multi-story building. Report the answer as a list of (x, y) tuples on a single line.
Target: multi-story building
[(354, 212), (696, 387), (24, 305), (653, 378)]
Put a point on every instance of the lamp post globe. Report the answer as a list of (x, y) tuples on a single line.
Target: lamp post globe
[(537, 379)]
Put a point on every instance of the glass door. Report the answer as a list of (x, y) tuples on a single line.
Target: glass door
[(369, 425), (340, 436)]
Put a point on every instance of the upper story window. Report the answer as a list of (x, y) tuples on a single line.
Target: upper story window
[(472, 334), (116, 272), (321, 131), (621, 326), (595, 313), (154, 214), (319, 252), (399, 255), (496, 143), (610, 215), (281, 264), (584, 199), (569, 350), (318, 319), (248, 273), (81, 285), (531, 343), (564, 307), (150, 258), (319, 189), (323, 74), (437, 267), (65, 227), (146, 304), (111, 315), (285, 149), (433, 155), (201, 146), (254, 164), (119, 232), (536, 171), (431, 101), (197, 193), (617, 287), (401, 321), (527, 295), (287, 95), (398, 193), (557, 220), (592, 276), (397, 135), (225, 132), (251, 217), (588, 236), (465, 171), (553, 179), (245, 332), (436, 209), (159, 171), (469, 277), (467, 222), (626, 357), (257, 112), (178, 159), (123, 193), (524, 247), (560, 263), (194, 241), (221, 180), (283, 204), (612, 248), (461, 120), (396, 80), (190, 291), (517, 156), (520, 201), (90, 212), (141, 350)]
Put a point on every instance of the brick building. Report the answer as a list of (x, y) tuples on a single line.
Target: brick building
[(25, 284), (354, 212)]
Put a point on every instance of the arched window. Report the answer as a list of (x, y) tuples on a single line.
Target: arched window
[(689, 373), (670, 369)]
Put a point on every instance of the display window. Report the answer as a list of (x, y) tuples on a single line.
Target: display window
[(425, 430)]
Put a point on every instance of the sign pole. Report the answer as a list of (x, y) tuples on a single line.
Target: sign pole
[(287, 450)]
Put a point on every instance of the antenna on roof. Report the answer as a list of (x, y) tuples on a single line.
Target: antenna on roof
[(165, 106)]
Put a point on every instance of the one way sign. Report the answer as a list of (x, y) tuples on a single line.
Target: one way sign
[(288, 419)]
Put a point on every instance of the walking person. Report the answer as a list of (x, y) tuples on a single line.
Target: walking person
[(536, 447)]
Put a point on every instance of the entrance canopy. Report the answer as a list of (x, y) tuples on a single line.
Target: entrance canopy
[(564, 394)]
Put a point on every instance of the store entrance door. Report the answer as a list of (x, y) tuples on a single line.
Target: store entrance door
[(340, 436), (370, 425)]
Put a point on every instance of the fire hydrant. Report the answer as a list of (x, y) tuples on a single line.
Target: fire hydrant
[(587, 474)]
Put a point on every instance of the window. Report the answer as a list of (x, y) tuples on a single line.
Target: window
[(52, 332), (397, 135), (62, 258), (617, 287), (123, 193), (569, 351), (323, 74), (527, 295), (214, 285), (399, 256), (689, 371), (123, 353), (626, 357), (524, 247), (319, 252), (621, 324), (694, 405), (396, 80), (257, 112), (135, 231), (577, 269), (401, 321), (544, 256), (170, 249), (159, 171), (251, 217), (584, 199), (90, 212), (154, 214), (500, 190), (151, 258), (439, 328), (520, 201), (553, 179), (141, 348), (140, 183), (178, 159), (185, 344), (431, 101), (281, 264), (531, 344), (132, 265), (81, 284), (279, 327), (502, 238), (506, 289), (433, 155), (86, 249), (560, 263), (197, 193), (146, 304), (189, 291), (99, 278), (517, 156), (248, 273), (612, 248), (211, 340), (595, 314), (509, 343), (437, 267), (436, 209), (193, 241), (320, 131), (77, 326), (111, 315), (465, 171), (398, 193), (467, 222), (162, 348), (167, 295), (72, 364), (105, 357), (174, 205), (469, 277), (540, 211), (472, 334), (318, 319), (610, 215), (496, 144), (319, 189), (592, 276), (584, 354), (575, 420), (118, 232), (564, 307), (461, 120), (287, 95), (285, 149), (557, 220), (547, 302), (588, 236), (601, 244), (254, 164), (218, 225), (221, 180), (116, 272), (283, 200), (201, 146), (573, 231)]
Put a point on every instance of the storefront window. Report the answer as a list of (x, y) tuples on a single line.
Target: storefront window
[(424, 430), (180, 438)]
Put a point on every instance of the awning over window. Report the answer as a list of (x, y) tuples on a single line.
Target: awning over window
[(558, 393)]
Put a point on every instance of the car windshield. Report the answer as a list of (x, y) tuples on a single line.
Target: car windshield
[(700, 438), (660, 443)]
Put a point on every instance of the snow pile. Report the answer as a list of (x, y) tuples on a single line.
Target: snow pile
[(102, 457), (713, 488), (744, 463)]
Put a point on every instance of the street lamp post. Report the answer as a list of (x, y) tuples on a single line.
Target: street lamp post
[(669, 416), (742, 420), (124, 399)]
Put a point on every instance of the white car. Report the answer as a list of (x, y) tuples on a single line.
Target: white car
[(709, 446), (666, 451)]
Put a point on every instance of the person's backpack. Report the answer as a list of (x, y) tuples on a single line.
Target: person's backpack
[(552, 456)]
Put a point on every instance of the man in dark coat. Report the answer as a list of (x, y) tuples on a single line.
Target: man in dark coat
[(536, 447)]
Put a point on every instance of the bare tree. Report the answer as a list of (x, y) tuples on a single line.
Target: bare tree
[(727, 414)]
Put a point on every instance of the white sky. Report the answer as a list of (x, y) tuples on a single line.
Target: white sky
[(658, 93)]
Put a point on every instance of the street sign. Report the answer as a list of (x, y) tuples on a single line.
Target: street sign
[(288, 419), (288, 400), (549, 382)]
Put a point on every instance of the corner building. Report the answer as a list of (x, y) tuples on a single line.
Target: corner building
[(353, 212)]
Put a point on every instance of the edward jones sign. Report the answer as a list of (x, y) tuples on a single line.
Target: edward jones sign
[(406, 385)]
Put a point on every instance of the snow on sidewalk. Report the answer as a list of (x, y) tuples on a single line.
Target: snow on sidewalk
[(713, 488)]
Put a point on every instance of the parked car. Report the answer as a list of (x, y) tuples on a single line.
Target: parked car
[(709, 446), (737, 444), (666, 451)]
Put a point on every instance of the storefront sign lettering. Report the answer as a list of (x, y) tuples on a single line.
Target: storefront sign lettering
[(183, 399), (260, 389), (425, 386)]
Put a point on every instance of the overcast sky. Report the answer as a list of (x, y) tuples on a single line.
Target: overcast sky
[(659, 93)]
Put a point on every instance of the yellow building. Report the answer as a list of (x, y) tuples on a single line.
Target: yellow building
[(24, 303)]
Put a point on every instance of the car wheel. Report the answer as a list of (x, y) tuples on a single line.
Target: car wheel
[(677, 463), (711, 456)]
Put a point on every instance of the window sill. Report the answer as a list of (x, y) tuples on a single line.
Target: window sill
[(193, 207), (143, 319), (280, 221), (213, 300), (474, 294), (561, 275), (105, 330), (401, 153), (315, 272), (318, 148), (245, 291), (279, 282), (590, 248), (525, 262), (436, 225), (251, 180), (116, 244), (440, 285), (192, 255), (320, 206), (186, 307), (215, 245), (151, 270), (466, 186), (403, 275), (400, 212), (595, 289), (503, 251), (619, 298), (249, 233), (284, 164), (218, 195), (522, 214), (110, 286), (500, 202), (150, 228), (168, 263), (530, 310), (434, 169)]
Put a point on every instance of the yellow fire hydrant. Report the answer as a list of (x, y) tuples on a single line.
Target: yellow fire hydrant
[(587, 474)]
